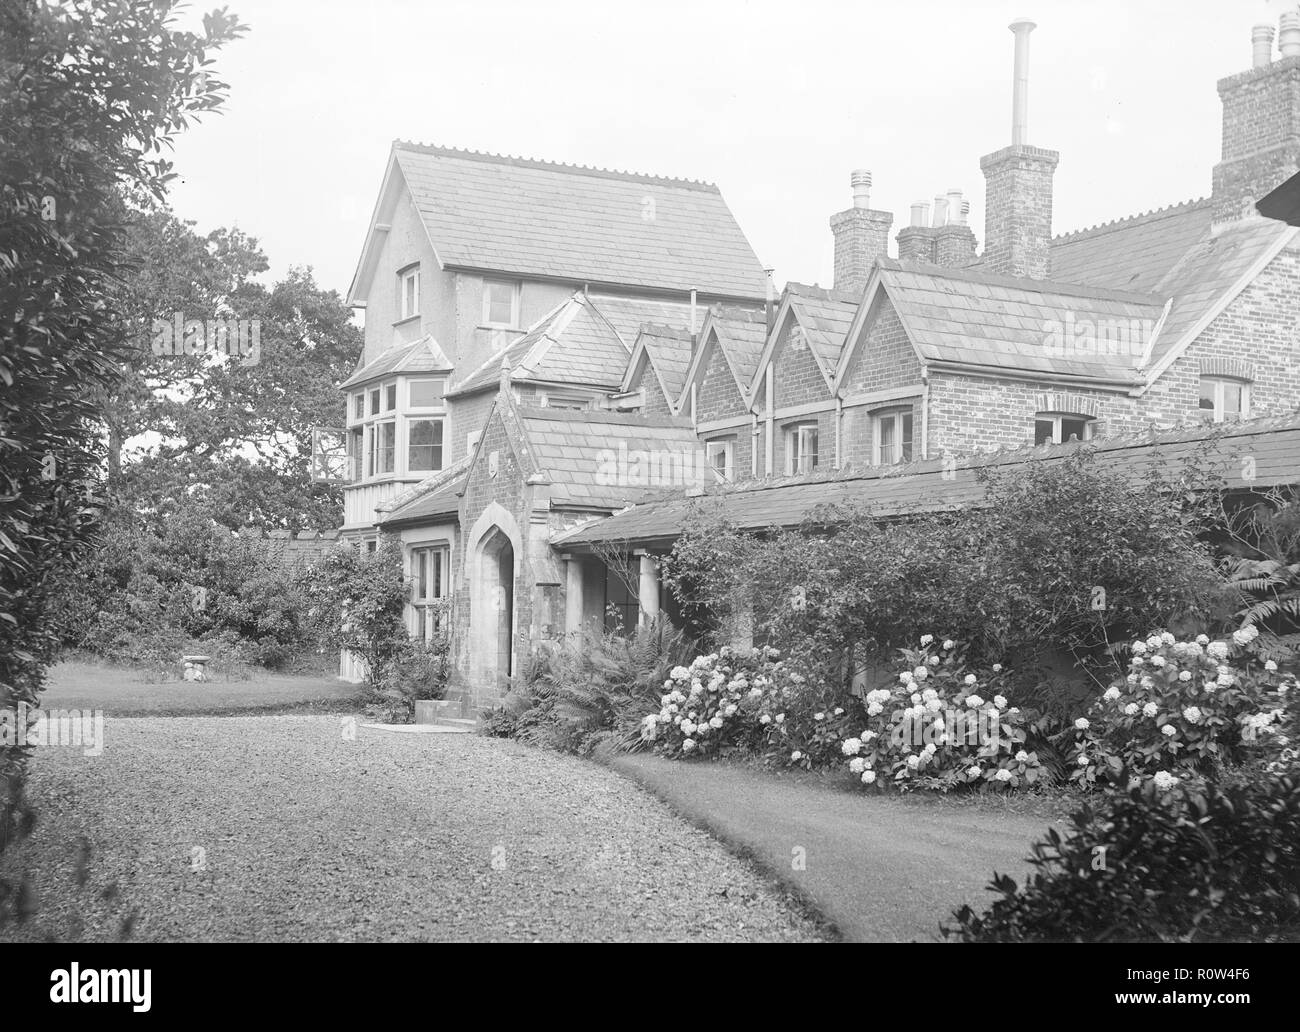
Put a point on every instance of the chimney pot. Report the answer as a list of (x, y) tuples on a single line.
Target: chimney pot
[(1261, 38), (1022, 27), (964, 218), (940, 211), (920, 213), (1288, 38), (861, 182)]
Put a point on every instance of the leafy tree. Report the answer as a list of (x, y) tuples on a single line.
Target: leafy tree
[(91, 94)]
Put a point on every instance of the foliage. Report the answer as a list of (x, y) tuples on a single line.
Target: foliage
[(1182, 712), (92, 94), (942, 726), (359, 598), (420, 671), (574, 695), (1065, 561), (1263, 571)]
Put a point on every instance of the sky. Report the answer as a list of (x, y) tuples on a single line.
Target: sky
[(776, 102)]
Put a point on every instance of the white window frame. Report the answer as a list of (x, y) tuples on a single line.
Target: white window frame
[(410, 274), (439, 406), (795, 436), (1056, 418), (425, 606), (514, 287), (406, 448), (894, 416), (1220, 382), (727, 447)]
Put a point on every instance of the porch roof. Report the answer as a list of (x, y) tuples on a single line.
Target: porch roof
[(926, 486)]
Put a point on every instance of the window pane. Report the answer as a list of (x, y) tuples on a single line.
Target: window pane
[(387, 447), (427, 393), (374, 402), (885, 427), (1232, 400), (421, 571), (390, 397), (355, 444), (1207, 394), (358, 406), (499, 304), (424, 446), (1072, 428), (1044, 431), (807, 448), (435, 562), (907, 438)]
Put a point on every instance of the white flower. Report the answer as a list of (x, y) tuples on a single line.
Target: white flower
[(688, 728), (874, 709), (974, 701), (914, 762), (1192, 714), (971, 679), (839, 711), (765, 719), (1169, 730), (1164, 780), (857, 765), (796, 756), (1217, 649), (930, 749), (1083, 759), (665, 700), (1003, 775), (1157, 661), (949, 644), (1000, 701), (1022, 756), (916, 698), (715, 722), (868, 776), (1185, 675), (779, 718), (972, 772), (1131, 709), (867, 736), (1167, 638), (1081, 723), (1150, 709), (934, 705), (926, 639), (905, 676), (1139, 647), (1110, 694), (929, 694), (730, 711), (1246, 635), (851, 746), (819, 716), (997, 668), (1138, 661), (1202, 640), (934, 660), (994, 713), (688, 744), (1270, 666)]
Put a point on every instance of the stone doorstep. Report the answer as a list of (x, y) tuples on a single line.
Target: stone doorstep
[(448, 712)]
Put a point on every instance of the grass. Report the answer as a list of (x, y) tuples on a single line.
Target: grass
[(123, 691)]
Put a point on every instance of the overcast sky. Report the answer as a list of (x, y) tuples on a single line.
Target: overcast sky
[(774, 101)]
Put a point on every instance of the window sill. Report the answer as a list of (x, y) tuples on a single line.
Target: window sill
[(408, 319)]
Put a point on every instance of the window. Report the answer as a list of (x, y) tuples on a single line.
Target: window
[(423, 445), (356, 440), (374, 402), (426, 392), (359, 406), (409, 280), (384, 442), (892, 436), (1050, 428), (428, 586), (551, 399), (390, 397), (622, 607), (501, 304), (1223, 399), (800, 448), (720, 456)]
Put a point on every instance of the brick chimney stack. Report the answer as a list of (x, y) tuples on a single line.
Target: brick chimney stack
[(1018, 186), (1261, 121), (939, 236), (861, 236)]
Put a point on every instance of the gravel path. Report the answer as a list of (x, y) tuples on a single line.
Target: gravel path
[(280, 828)]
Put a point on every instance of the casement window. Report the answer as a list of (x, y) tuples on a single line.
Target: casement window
[(359, 405), (1061, 427), (409, 289), (426, 392), (891, 435), (1223, 399), (423, 445), (501, 304), (428, 586), (356, 443), (800, 448), (390, 397), (564, 400), (374, 402), (721, 457), (383, 444)]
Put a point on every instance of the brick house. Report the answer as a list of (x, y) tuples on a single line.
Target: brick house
[(908, 369)]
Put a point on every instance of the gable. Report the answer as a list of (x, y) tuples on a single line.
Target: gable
[(797, 375), (718, 394), (885, 357)]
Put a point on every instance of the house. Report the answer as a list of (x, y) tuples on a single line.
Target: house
[(590, 408)]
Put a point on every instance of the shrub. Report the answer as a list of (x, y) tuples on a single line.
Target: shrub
[(1217, 863), (942, 726), (1182, 711)]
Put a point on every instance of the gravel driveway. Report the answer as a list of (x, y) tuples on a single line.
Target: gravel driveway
[(280, 828)]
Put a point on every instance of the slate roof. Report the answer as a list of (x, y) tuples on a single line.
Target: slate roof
[(573, 343), (825, 316), (978, 318), (419, 356), (437, 495), (1134, 253), (628, 314), (579, 453), (922, 486), (537, 218)]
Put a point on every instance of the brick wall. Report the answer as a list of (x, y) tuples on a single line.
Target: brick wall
[(1018, 210), (884, 359), (718, 396), (796, 375), (861, 236), (1261, 134)]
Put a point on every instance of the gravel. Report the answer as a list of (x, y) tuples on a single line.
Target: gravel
[(285, 829)]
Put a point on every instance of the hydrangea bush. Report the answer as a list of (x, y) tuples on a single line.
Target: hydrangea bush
[(1183, 711), (941, 726), (723, 700)]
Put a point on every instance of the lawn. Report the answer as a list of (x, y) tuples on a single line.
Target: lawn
[(123, 691)]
